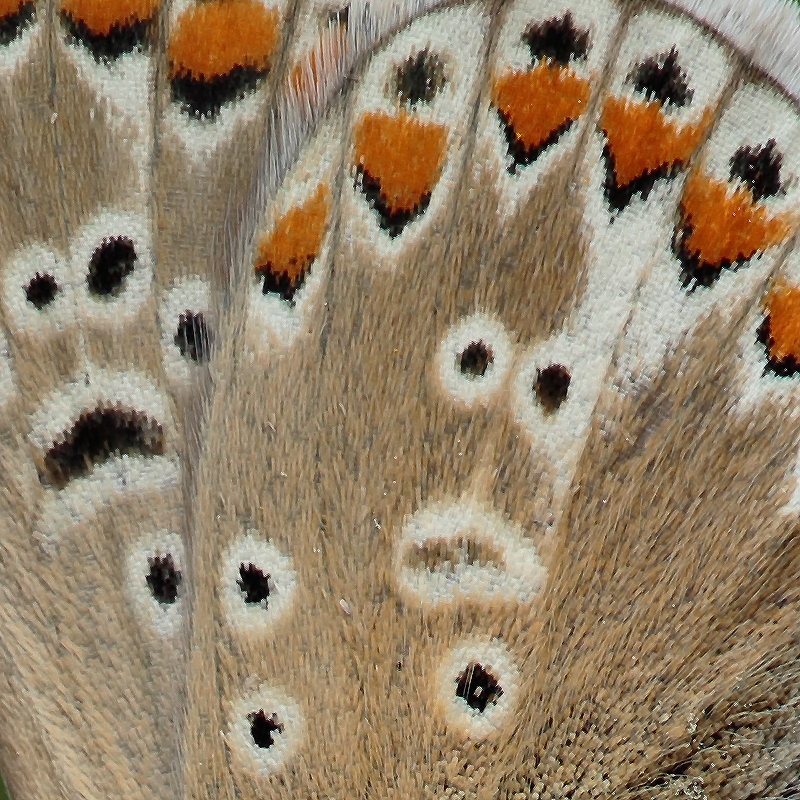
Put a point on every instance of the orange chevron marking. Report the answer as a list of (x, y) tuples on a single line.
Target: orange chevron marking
[(294, 242), (642, 139), (8, 7), (212, 38), (727, 225), (536, 103), (101, 17), (403, 153), (783, 307)]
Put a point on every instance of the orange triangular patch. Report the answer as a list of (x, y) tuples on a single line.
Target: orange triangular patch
[(403, 154), (539, 103), (212, 38), (100, 17), (642, 139), (724, 225), (285, 254)]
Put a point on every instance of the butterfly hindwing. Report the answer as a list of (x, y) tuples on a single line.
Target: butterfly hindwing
[(397, 401), (503, 533)]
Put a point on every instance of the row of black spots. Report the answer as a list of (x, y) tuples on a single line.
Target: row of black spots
[(267, 729), (15, 22), (551, 385), (41, 290), (419, 79), (475, 359), (163, 578), (392, 221), (106, 47), (478, 687), (194, 336), (258, 586), (263, 728), (558, 39), (97, 436), (110, 264), (661, 78)]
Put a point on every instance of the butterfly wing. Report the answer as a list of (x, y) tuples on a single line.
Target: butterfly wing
[(398, 440), (490, 464)]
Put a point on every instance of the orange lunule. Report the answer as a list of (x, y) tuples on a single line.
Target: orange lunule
[(100, 16), (211, 38), (10, 7), (403, 154), (728, 225), (538, 102), (295, 240), (783, 306), (641, 139)]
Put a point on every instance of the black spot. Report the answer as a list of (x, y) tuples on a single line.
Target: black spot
[(419, 79), (393, 222), (552, 385), (262, 727), (474, 360), (620, 196), (97, 436), (110, 264), (280, 282), (521, 155), (193, 337), (42, 290), (557, 39), (253, 584), (759, 168), (12, 25), (660, 78), (785, 367), (204, 98), (121, 38), (478, 687), (163, 579)]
